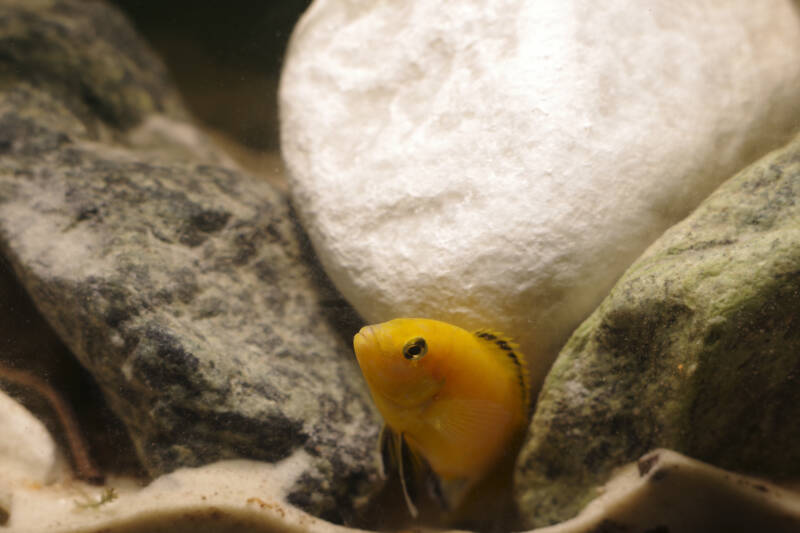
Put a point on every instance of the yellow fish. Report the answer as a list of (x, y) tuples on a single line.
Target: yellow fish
[(454, 401)]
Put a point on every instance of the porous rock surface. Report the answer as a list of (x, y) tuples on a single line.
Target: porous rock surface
[(697, 348), (500, 164), (182, 285)]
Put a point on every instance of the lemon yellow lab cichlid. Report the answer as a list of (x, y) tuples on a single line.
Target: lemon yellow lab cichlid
[(452, 400)]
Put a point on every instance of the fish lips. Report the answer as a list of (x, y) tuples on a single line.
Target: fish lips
[(363, 342), (367, 349)]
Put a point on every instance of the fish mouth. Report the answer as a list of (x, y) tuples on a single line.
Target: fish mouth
[(363, 340)]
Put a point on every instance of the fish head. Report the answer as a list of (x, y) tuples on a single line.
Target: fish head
[(401, 361)]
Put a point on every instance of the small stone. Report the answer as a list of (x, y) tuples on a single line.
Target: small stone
[(500, 164), (697, 348)]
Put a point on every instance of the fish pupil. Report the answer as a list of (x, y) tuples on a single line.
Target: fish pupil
[(415, 348)]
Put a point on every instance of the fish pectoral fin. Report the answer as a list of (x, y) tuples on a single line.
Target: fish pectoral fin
[(462, 419), (437, 492), (452, 492)]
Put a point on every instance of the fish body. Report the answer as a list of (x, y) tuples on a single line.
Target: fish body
[(457, 399)]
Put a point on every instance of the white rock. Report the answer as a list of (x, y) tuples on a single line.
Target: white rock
[(27, 451), (500, 163)]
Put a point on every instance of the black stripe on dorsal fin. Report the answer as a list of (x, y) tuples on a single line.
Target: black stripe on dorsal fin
[(506, 346)]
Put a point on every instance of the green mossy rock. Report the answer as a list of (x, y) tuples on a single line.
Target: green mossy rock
[(697, 349)]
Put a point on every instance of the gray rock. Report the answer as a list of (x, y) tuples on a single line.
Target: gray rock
[(697, 348), (32, 357), (184, 286)]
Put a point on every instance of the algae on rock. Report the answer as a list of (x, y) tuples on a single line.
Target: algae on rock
[(697, 348)]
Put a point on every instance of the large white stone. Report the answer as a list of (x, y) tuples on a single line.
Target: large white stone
[(500, 163)]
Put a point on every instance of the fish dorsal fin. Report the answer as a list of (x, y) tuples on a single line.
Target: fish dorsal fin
[(397, 456), (509, 350)]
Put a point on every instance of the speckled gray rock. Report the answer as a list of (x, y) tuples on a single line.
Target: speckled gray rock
[(697, 348), (185, 287)]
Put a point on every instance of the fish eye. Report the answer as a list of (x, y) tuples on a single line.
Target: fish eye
[(415, 348)]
